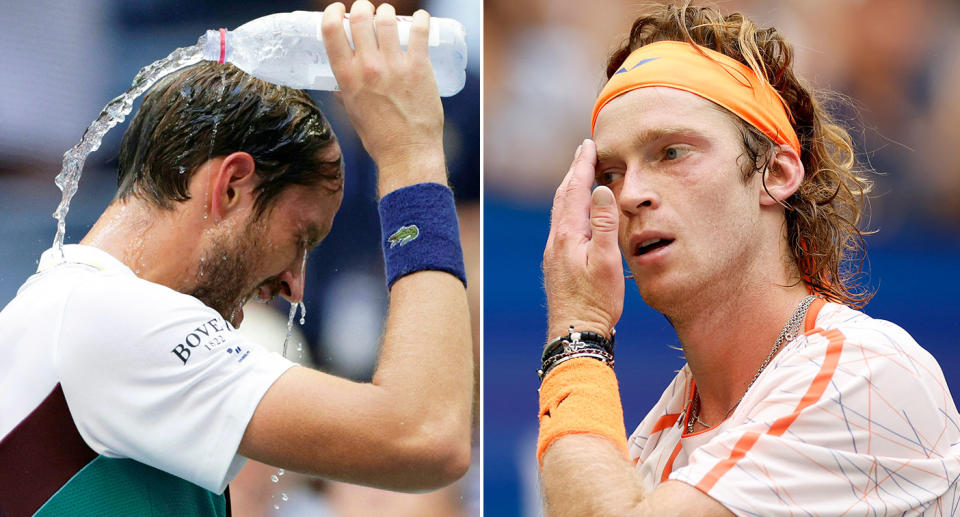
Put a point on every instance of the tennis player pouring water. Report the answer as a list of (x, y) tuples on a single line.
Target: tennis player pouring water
[(136, 396)]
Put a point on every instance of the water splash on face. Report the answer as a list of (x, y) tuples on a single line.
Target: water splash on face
[(113, 113), (295, 306)]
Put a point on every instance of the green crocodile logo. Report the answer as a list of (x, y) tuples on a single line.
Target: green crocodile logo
[(404, 235)]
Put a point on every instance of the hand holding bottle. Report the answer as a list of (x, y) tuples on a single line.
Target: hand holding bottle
[(389, 94)]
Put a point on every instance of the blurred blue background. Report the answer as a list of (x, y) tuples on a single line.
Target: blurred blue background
[(544, 63), (61, 61)]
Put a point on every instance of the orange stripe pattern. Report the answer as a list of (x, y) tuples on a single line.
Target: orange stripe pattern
[(780, 426), (852, 418)]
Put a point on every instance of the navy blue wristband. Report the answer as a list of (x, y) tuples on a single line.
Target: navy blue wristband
[(419, 230)]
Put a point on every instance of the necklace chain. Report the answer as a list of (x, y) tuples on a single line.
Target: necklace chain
[(789, 332)]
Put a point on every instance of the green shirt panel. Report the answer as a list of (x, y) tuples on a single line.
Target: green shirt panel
[(123, 487)]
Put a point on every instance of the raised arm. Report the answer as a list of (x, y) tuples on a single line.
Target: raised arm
[(408, 429), (582, 447)]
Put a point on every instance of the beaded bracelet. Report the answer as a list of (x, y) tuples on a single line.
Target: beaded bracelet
[(579, 337), (576, 344)]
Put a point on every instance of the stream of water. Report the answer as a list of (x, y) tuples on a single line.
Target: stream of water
[(294, 307), (113, 113)]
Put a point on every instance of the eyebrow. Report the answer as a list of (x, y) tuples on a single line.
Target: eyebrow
[(644, 138)]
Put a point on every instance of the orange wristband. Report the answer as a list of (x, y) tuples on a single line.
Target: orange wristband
[(580, 396)]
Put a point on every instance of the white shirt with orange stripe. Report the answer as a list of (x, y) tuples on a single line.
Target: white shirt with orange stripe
[(851, 418)]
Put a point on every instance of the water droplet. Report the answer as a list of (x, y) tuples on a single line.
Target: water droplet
[(274, 478), (280, 472), (276, 507), (284, 496), (182, 169), (303, 308)]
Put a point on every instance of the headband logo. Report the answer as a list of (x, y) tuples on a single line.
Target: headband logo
[(623, 69)]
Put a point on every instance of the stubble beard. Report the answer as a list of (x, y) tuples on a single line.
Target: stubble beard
[(223, 278)]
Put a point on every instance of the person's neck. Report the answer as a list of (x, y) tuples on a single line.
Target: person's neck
[(726, 339), (151, 241)]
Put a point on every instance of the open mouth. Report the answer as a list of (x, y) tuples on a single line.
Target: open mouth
[(650, 245)]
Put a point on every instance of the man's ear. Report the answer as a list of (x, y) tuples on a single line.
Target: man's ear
[(783, 176), (232, 185)]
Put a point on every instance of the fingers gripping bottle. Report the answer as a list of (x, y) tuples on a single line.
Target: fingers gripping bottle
[(287, 49)]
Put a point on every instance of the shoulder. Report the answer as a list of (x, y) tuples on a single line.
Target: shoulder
[(866, 377), (126, 321), (865, 344), (859, 327), (117, 305), (848, 344), (122, 293)]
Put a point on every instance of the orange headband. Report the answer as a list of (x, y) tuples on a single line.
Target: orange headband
[(708, 74)]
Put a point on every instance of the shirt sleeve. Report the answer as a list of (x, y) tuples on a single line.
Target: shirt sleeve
[(156, 376), (853, 422)]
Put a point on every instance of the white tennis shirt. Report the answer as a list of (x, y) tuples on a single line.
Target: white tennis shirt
[(148, 373), (851, 418)]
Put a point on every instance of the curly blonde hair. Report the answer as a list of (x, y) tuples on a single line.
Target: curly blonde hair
[(824, 214)]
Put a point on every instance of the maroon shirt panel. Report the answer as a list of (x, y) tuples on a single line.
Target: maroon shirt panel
[(39, 456)]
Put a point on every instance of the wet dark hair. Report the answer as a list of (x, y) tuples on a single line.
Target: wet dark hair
[(211, 109), (823, 215)]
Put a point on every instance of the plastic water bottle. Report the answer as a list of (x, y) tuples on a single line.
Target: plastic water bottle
[(287, 49)]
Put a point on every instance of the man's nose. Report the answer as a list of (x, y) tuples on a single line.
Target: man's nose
[(637, 193), (292, 284)]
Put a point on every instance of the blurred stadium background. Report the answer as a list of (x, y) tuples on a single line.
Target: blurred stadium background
[(61, 61), (544, 63)]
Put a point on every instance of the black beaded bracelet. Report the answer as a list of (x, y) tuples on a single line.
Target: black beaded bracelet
[(576, 344), (573, 337)]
